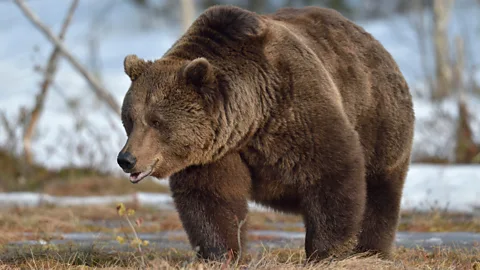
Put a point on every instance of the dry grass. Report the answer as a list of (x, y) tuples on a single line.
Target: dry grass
[(46, 220), (439, 221), (439, 258), (266, 259), (95, 185), (42, 222)]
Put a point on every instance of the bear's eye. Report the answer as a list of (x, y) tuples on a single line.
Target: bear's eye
[(157, 124)]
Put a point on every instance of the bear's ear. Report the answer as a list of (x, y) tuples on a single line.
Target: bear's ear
[(199, 72), (134, 66)]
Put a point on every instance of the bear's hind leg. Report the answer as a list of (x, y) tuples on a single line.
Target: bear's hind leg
[(384, 192), (333, 210), (211, 200)]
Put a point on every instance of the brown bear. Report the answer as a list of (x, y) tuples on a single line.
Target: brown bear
[(300, 110)]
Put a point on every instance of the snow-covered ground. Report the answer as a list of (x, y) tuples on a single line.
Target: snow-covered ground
[(92, 125), (427, 187), (442, 187)]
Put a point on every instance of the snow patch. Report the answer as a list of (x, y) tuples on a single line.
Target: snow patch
[(427, 186)]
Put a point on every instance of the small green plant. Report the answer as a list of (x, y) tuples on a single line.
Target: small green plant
[(136, 242)]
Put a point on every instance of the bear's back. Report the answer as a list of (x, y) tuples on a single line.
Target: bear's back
[(373, 90), (361, 68)]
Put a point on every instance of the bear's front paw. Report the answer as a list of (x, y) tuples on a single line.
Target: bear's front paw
[(212, 253)]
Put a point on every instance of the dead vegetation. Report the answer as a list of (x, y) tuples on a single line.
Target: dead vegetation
[(47, 223), (439, 221), (92, 258)]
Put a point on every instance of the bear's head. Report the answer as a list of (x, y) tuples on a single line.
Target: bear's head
[(175, 112), (169, 115)]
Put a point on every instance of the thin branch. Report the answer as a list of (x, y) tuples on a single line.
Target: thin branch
[(8, 127), (421, 31), (441, 16), (99, 90), (188, 13), (49, 74), (239, 240)]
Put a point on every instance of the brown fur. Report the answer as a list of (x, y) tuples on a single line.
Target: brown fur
[(300, 110)]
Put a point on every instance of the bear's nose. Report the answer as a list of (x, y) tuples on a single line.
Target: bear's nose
[(126, 160)]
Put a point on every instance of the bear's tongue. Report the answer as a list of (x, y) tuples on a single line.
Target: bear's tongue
[(137, 177), (134, 177)]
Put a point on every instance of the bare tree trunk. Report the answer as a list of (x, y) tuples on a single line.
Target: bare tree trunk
[(188, 13), (421, 32), (441, 12), (40, 99), (465, 149), (98, 89)]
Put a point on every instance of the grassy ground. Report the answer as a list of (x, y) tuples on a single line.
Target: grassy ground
[(55, 258), (43, 222)]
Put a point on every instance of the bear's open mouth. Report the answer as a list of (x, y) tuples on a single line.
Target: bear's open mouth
[(138, 176)]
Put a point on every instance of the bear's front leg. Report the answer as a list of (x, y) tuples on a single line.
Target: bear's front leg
[(211, 201)]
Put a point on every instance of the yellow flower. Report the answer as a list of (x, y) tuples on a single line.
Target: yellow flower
[(131, 212), (136, 242), (145, 243), (121, 209), (120, 239)]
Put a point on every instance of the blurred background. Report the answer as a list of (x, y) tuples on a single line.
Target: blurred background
[(60, 130), (61, 68)]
